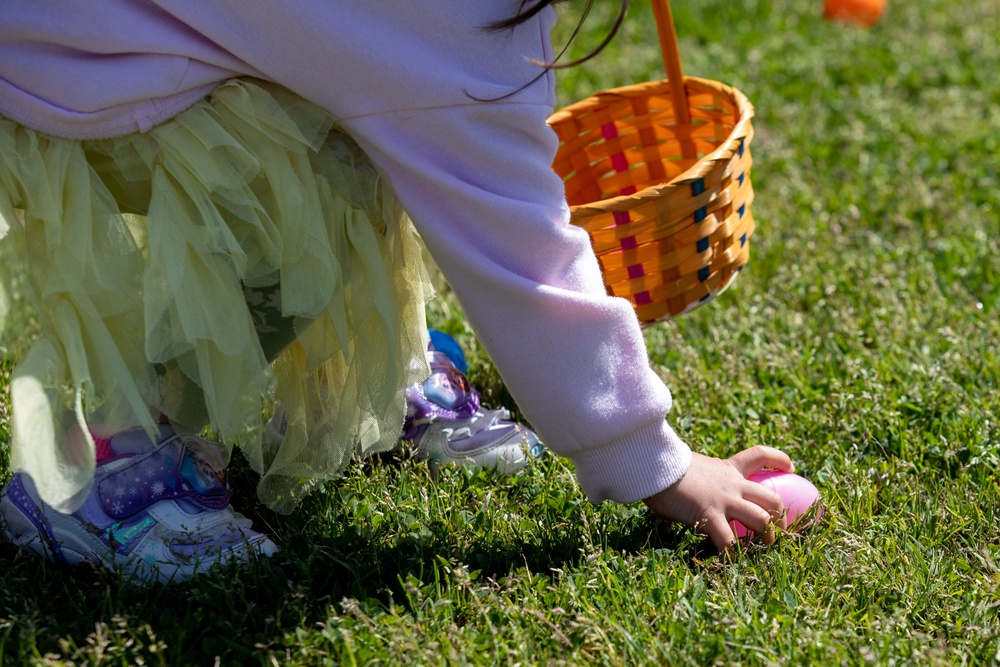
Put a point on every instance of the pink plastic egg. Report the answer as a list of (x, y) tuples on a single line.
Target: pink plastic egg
[(797, 494)]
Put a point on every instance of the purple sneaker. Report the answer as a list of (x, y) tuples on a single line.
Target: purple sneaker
[(446, 424), (157, 512)]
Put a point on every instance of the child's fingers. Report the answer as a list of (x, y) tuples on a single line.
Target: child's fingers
[(718, 530), (754, 517), (767, 499), (759, 457)]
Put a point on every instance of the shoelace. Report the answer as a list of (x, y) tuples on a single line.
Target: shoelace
[(483, 421)]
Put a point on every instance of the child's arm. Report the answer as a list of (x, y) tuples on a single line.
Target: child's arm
[(490, 210), (478, 183), (477, 180)]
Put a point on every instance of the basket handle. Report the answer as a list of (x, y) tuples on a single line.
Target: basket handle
[(672, 63), (672, 59)]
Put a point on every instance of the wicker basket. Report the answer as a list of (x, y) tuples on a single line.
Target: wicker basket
[(659, 176)]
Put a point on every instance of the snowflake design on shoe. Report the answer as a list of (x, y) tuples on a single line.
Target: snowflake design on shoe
[(175, 522)]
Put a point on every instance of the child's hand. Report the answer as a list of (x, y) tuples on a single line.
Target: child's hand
[(714, 491)]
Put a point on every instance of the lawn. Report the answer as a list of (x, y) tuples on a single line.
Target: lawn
[(863, 339)]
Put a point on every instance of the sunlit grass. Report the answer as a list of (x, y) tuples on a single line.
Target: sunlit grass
[(863, 339)]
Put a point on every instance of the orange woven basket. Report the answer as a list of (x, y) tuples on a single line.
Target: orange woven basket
[(659, 176)]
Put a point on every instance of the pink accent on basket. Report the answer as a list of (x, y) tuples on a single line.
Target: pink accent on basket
[(642, 298), (618, 161), (636, 271), (609, 131)]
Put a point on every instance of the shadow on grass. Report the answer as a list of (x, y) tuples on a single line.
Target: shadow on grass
[(327, 554)]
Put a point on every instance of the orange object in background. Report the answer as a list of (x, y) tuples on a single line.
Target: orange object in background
[(863, 12)]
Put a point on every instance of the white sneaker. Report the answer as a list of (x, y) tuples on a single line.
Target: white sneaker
[(446, 424), (157, 512)]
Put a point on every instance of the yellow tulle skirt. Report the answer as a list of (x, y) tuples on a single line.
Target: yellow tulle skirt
[(154, 262)]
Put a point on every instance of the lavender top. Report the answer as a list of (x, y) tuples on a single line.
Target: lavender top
[(474, 176)]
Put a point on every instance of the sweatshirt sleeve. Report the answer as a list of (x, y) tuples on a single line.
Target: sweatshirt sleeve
[(476, 178), (478, 183)]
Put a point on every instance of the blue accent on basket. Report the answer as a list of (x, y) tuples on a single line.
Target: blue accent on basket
[(741, 148), (705, 298), (743, 239), (703, 273), (743, 209), (742, 177), (698, 187)]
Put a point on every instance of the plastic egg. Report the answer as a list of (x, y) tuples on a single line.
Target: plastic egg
[(797, 494)]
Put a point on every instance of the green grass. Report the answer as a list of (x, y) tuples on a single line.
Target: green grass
[(863, 339)]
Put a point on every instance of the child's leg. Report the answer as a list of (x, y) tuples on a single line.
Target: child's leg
[(157, 511), (176, 520)]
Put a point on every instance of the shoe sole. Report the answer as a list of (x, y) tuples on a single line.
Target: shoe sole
[(507, 457), (40, 534)]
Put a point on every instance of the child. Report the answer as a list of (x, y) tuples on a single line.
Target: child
[(206, 233)]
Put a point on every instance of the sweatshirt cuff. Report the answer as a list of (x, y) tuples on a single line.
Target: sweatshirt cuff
[(635, 467)]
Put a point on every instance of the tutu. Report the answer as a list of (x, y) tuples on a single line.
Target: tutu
[(161, 264)]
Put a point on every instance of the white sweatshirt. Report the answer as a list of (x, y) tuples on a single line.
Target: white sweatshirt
[(474, 176)]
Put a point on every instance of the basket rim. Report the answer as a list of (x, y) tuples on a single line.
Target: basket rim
[(740, 130)]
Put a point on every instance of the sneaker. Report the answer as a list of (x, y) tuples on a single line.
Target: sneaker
[(156, 514), (446, 424)]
